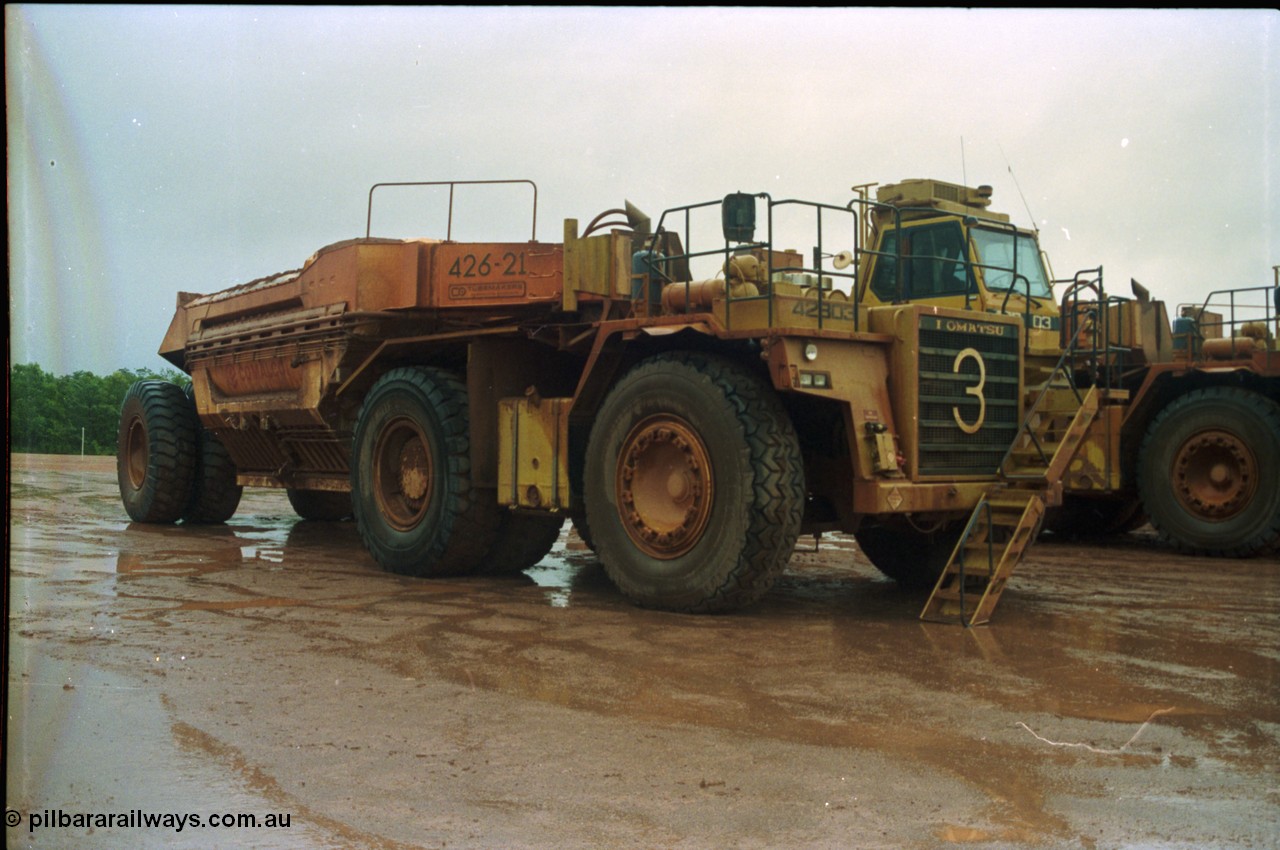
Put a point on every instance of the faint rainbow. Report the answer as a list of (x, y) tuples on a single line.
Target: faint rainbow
[(66, 268)]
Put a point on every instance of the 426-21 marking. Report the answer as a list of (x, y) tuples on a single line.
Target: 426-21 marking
[(508, 264)]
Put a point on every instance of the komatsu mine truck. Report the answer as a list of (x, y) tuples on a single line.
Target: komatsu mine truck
[(693, 395)]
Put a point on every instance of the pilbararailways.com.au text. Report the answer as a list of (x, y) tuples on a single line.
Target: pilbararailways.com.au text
[(139, 819)]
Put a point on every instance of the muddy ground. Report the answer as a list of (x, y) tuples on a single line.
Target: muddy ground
[(1124, 696)]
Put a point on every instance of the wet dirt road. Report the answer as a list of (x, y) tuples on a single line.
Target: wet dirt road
[(1123, 697)]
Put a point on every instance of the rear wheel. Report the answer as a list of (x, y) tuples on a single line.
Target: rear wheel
[(912, 558), (1085, 517), (215, 495), (411, 488), (156, 451), (694, 484), (1209, 469), (521, 541), (320, 505)]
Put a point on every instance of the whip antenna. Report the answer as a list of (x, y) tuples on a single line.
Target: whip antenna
[(1034, 224)]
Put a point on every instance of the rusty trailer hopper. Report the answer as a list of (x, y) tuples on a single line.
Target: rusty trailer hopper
[(270, 358)]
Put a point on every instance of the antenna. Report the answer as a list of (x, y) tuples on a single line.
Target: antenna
[(964, 172), (1034, 224)]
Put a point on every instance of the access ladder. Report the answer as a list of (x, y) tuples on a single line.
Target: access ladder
[(1006, 520)]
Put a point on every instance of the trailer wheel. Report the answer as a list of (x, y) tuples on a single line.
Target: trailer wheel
[(411, 488), (215, 495), (1208, 473), (912, 558), (156, 451), (320, 505), (694, 484), (521, 542)]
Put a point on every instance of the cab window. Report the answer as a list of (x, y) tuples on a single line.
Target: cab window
[(933, 258), (1000, 252)]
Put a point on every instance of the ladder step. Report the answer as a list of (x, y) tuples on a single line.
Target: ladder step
[(999, 531)]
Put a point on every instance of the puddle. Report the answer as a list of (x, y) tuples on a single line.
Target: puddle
[(129, 757), (562, 568)]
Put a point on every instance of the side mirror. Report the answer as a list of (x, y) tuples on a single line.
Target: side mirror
[(738, 217)]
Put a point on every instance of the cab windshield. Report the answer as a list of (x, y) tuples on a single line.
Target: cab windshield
[(1002, 251)]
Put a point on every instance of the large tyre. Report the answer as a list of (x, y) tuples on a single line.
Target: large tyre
[(215, 495), (521, 541), (1086, 518), (156, 451), (912, 558), (694, 484), (1209, 473), (320, 505), (411, 488)]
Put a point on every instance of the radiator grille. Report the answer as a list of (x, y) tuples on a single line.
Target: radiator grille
[(969, 395)]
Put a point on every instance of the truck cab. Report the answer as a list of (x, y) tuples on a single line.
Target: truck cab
[(936, 243)]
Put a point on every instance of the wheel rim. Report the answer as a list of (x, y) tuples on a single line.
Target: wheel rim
[(136, 453), (664, 486), (402, 473), (1214, 475)]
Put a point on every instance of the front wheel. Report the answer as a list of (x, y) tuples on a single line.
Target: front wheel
[(1208, 472), (411, 491), (911, 557), (694, 484)]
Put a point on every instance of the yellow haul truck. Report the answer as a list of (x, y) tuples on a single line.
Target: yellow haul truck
[(692, 408), (1185, 428)]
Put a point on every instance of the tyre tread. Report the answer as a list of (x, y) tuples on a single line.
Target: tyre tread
[(777, 488), (470, 519), (171, 425), (1153, 487)]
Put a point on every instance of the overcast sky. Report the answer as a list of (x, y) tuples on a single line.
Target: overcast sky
[(157, 149)]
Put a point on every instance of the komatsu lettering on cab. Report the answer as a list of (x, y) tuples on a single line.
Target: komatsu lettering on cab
[(693, 394)]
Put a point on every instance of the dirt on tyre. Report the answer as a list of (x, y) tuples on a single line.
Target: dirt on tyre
[(1208, 473), (694, 484), (411, 491), (320, 505), (911, 557), (156, 451), (215, 495)]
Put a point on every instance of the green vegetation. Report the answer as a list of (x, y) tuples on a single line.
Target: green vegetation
[(46, 411)]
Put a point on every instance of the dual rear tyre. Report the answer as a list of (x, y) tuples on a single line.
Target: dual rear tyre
[(411, 491), (413, 498), (168, 466)]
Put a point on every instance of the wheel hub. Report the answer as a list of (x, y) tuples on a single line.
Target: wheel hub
[(664, 486), (1214, 475), (402, 474), (136, 446)]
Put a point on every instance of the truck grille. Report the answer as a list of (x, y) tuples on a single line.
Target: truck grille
[(969, 395)]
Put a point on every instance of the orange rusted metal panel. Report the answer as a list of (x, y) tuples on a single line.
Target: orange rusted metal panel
[(492, 274)]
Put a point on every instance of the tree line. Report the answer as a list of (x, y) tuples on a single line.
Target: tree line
[(47, 411)]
